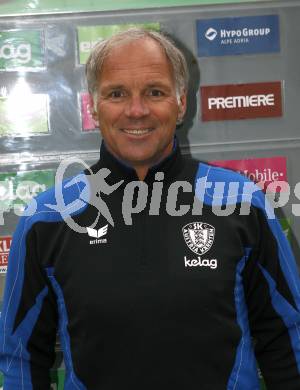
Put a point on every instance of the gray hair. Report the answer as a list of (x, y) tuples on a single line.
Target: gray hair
[(102, 49)]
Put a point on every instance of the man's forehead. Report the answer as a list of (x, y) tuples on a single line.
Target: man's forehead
[(141, 44), (143, 52), (139, 59)]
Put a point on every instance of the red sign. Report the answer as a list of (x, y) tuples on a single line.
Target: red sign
[(261, 170), (5, 243), (241, 101)]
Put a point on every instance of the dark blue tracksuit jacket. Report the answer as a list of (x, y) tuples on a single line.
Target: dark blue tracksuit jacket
[(195, 300)]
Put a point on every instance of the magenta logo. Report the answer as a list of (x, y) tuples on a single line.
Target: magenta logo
[(88, 122), (261, 170)]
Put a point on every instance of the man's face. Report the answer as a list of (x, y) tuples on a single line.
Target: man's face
[(137, 106)]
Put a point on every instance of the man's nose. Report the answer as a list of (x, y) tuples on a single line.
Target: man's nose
[(136, 107)]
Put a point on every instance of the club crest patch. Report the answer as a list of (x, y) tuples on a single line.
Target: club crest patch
[(199, 236)]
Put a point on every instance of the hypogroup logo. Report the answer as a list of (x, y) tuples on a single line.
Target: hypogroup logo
[(211, 34), (238, 35), (21, 49), (241, 101)]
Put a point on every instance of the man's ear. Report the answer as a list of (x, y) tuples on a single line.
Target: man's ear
[(93, 108), (182, 101)]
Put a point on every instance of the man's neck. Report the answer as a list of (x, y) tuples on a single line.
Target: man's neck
[(143, 168), (141, 172)]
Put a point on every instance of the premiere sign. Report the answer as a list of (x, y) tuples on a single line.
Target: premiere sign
[(260, 170), (5, 243), (241, 101), (239, 35)]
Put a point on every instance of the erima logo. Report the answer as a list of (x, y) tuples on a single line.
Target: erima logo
[(211, 34), (241, 101), (22, 52), (97, 234)]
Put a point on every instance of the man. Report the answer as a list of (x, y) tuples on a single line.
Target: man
[(170, 294)]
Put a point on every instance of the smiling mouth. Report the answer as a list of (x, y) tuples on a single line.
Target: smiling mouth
[(137, 131)]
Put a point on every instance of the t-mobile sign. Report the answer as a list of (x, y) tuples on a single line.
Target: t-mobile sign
[(241, 101), (260, 170)]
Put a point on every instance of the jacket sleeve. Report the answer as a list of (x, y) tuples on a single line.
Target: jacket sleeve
[(272, 293), (29, 316)]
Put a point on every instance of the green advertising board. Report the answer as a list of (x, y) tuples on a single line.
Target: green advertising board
[(17, 7), (88, 36), (57, 379), (21, 49), (286, 227), (262, 385), (23, 113), (18, 188)]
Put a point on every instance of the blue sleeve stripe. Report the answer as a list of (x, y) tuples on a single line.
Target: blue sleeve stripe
[(244, 375), (71, 380), (250, 192), (9, 343), (289, 315), (286, 258), (216, 186), (15, 275), (17, 367)]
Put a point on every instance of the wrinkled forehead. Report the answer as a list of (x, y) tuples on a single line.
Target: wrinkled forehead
[(129, 53)]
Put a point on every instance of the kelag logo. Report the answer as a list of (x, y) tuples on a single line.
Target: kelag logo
[(241, 101), (230, 36), (21, 49), (264, 170)]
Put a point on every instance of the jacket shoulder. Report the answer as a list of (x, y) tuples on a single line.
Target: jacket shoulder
[(66, 198)]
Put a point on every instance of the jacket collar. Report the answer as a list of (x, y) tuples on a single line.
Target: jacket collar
[(170, 166)]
